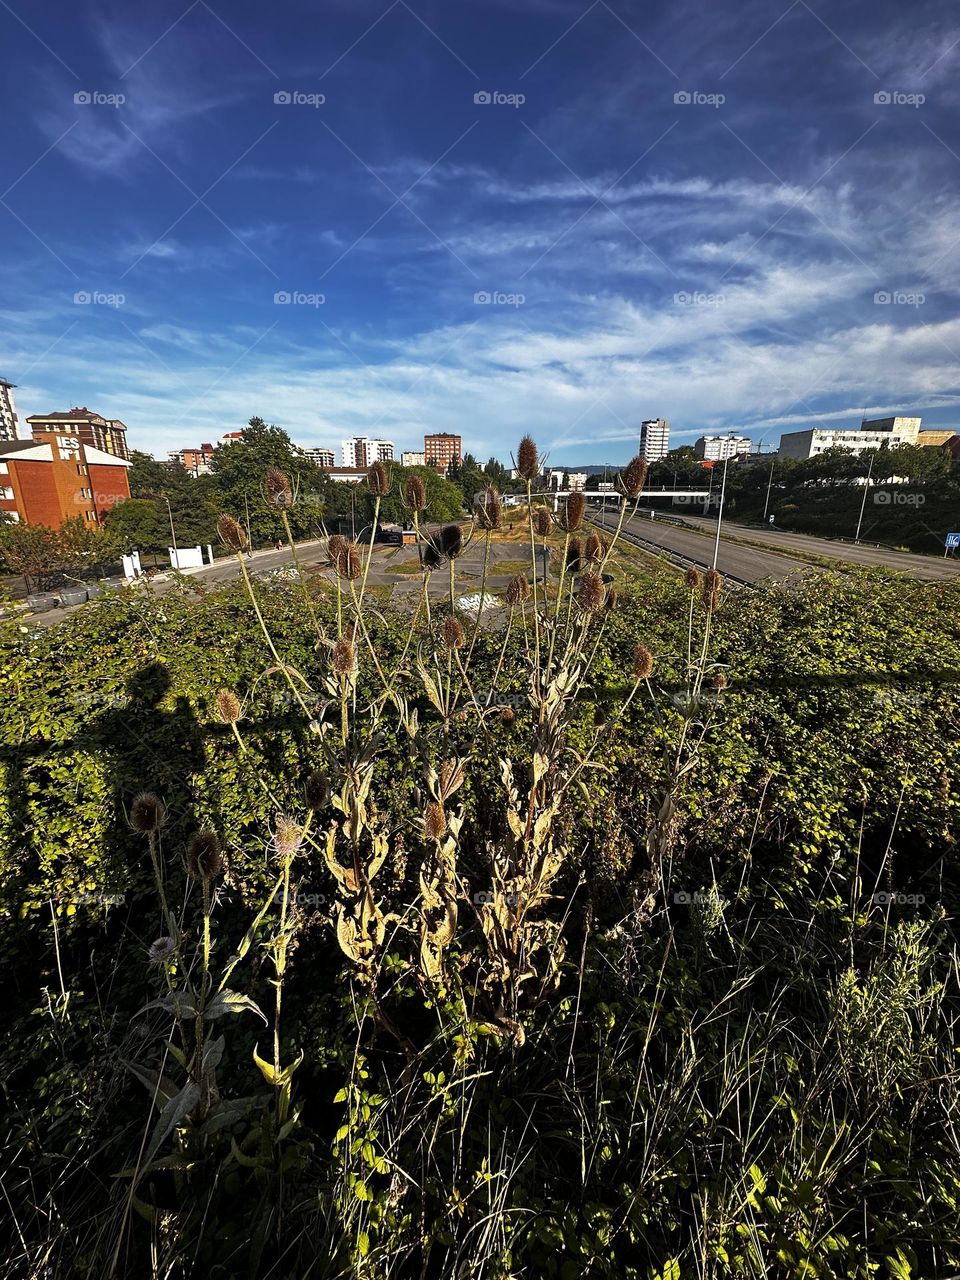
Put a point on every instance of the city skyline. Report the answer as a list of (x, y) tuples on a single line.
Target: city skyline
[(457, 223)]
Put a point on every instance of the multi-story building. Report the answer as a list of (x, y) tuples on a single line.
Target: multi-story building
[(655, 439), (441, 449), (361, 451), (109, 435), (196, 461), (882, 433), (55, 476), (906, 428), (320, 457), (936, 437), (9, 429), (411, 458), (231, 437), (717, 448)]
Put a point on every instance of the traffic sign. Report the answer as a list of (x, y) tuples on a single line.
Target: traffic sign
[(953, 540)]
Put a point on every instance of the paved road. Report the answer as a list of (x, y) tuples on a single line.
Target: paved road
[(746, 563), (753, 564), (931, 567)]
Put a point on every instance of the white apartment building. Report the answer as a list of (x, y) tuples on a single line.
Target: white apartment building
[(361, 451), (320, 457), (558, 478), (880, 433), (411, 458), (717, 448), (655, 439), (8, 412)]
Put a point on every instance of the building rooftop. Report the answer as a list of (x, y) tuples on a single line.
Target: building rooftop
[(14, 446)]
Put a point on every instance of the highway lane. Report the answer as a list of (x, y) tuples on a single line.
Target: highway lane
[(928, 567), (749, 564)]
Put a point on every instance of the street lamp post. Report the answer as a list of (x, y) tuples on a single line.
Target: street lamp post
[(866, 486), (723, 491), (766, 505), (173, 533)]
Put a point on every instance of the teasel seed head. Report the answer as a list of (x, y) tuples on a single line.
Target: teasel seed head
[(600, 716), (712, 583), (415, 493), (204, 859), (434, 821), (574, 555), (612, 600), (378, 479), (147, 812), (542, 522), (528, 459), (344, 657), (347, 560), (718, 680), (288, 836), (432, 559), (595, 548), (231, 533), (518, 589), (575, 504), (692, 578), (451, 541), (487, 508), (317, 790), (228, 706), (642, 663), (633, 477), (590, 592), (452, 633), (507, 716), (279, 491), (162, 950)]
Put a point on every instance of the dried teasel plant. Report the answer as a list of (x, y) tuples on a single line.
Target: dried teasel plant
[(572, 512), (378, 479)]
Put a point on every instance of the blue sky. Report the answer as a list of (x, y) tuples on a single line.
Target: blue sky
[(736, 215)]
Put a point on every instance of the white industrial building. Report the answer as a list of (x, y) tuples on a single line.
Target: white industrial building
[(876, 433)]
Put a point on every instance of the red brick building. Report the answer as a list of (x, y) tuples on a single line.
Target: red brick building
[(440, 450), (53, 478), (109, 435)]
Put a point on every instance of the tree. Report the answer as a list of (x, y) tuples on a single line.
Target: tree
[(34, 552), (135, 525), (43, 556), (237, 476)]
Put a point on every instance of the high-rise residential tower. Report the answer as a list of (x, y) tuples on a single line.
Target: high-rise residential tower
[(655, 439)]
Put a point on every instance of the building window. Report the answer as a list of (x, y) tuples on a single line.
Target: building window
[(6, 492)]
